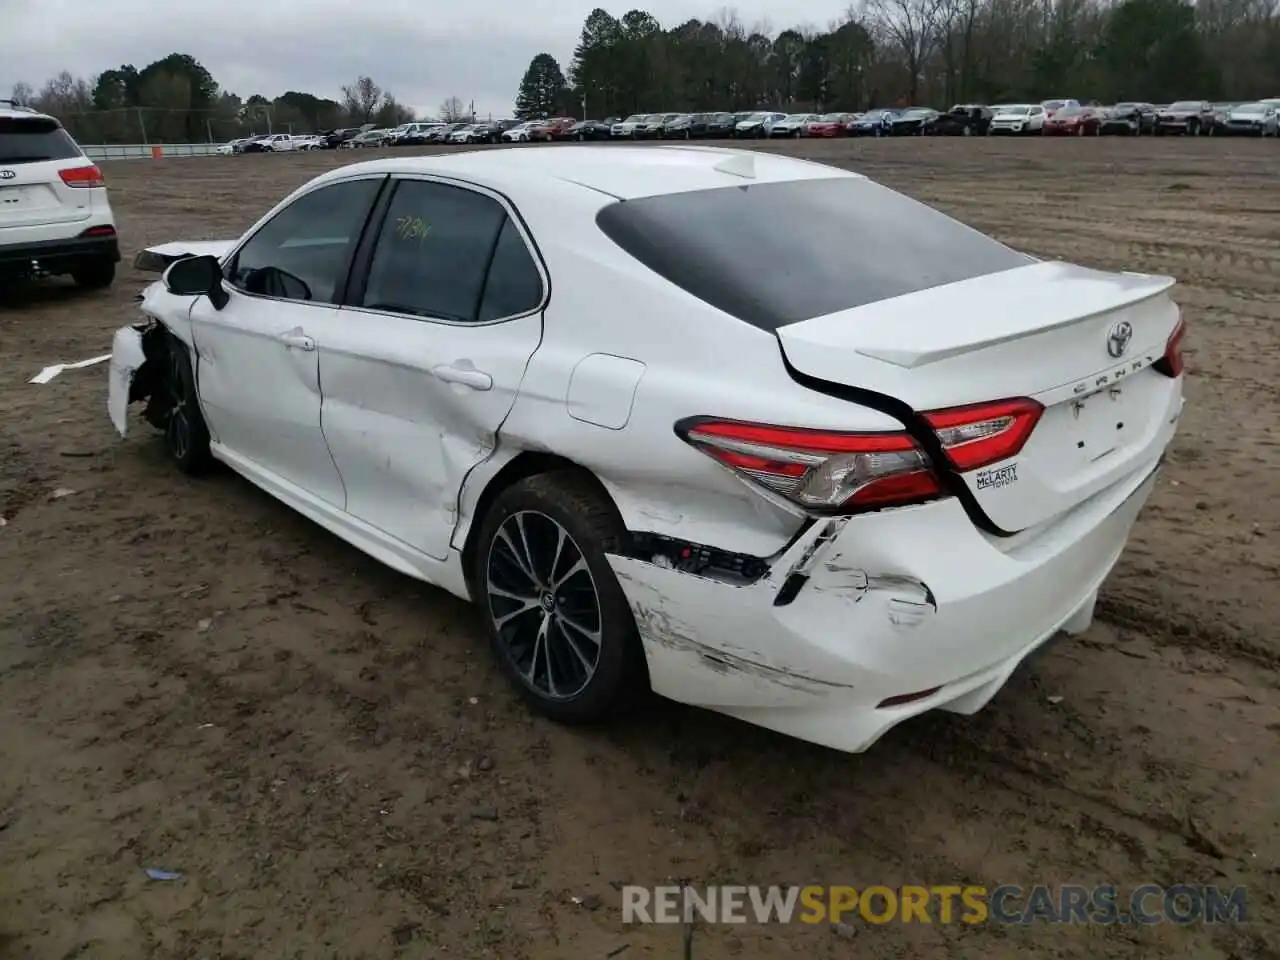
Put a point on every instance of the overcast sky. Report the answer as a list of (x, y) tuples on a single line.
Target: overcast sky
[(423, 52)]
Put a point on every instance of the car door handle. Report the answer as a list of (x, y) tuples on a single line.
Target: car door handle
[(298, 339), (466, 376)]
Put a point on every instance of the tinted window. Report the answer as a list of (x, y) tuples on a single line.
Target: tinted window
[(302, 253), (777, 253), (25, 140), (433, 252), (514, 284)]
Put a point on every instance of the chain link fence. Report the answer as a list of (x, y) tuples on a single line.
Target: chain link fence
[(149, 125)]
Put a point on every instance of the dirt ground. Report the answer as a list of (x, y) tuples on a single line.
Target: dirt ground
[(194, 678)]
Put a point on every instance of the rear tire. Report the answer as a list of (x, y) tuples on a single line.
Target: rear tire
[(95, 275), (570, 646)]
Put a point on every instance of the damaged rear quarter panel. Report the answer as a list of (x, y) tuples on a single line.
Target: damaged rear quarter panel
[(658, 482)]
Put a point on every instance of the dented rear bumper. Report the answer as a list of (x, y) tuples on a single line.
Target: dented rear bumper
[(857, 612)]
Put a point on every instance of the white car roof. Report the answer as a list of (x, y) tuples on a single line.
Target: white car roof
[(21, 113), (624, 172)]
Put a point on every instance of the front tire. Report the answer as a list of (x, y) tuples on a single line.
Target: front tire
[(556, 616), (95, 275), (186, 436)]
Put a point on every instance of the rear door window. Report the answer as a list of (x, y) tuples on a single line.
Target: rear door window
[(433, 253), (34, 139), (778, 253)]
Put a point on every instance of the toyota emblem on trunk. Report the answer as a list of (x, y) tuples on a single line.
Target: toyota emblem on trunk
[(8, 174), (1119, 337)]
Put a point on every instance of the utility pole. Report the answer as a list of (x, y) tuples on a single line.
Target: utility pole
[(142, 124)]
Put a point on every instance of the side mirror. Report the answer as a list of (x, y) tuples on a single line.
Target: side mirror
[(197, 277)]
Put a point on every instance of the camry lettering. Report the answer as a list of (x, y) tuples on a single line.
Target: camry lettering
[(1087, 387)]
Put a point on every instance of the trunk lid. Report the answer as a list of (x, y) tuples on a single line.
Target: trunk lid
[(1050, 331)]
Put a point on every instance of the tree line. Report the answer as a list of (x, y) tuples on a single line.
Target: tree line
[(916, 52), (176, 99), (880, 53)]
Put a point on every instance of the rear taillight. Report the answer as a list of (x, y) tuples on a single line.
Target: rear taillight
[(102, 231), (89, 176), (817, 469), (1171, 363), (827, 471), (984, 433)]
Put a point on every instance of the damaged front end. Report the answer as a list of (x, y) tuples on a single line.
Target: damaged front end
[(139, 361)]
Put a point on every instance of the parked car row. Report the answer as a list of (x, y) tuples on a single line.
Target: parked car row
[(1058, 117), (1184, 117), (273, 143)]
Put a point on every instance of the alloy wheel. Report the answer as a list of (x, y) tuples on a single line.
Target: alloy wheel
[(544, 604)]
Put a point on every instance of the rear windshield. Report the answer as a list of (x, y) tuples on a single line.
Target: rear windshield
[(771, 254), (30, 140)]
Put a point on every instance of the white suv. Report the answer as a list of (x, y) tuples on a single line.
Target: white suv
[(54, 214)]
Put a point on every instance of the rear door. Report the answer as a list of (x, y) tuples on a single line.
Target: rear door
[(33, 152), (420, 368)]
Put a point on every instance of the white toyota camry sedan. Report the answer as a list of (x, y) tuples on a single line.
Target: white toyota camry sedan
[(755, 433)]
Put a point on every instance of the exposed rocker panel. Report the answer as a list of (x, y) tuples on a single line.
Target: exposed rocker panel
[(697, 559)]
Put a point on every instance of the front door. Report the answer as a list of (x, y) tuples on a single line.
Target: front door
[(256, 360), (420, 369)]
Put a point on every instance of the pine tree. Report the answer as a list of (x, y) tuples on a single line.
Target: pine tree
[(542, 90)]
